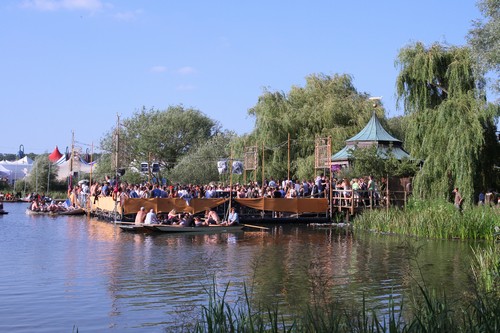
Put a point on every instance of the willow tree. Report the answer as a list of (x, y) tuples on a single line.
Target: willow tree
[(327, 106), (448, 118)]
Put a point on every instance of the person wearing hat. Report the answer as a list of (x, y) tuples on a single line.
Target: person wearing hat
[(141, 216)]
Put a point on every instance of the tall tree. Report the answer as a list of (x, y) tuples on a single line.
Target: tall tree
[(484, 38), (200, 165), (448, 117), (325, 106), (163, 136)]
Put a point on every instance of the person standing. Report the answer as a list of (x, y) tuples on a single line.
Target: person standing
[(458, 199)]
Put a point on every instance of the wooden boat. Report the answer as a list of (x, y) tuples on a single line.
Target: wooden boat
[(77, 211), (200, 230), (136, 228)]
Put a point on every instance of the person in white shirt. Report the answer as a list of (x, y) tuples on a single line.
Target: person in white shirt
[(151, 217)]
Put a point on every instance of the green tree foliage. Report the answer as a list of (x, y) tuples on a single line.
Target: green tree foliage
[(484, 38), (162, 136), (39, 179), (368, 161), (325, 106), (448, 118), (200, 165)]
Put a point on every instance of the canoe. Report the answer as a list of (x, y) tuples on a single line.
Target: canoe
[(204, 230)]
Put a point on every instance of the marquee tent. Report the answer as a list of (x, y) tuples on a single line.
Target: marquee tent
[(77, 166), (4, 172), (18, 169)]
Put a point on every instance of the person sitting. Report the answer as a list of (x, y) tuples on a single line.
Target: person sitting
[(172, 217), (188, 220), (141, 216), (212, 217), (35, 206), (199, 223), (233, 218), (53, 207), (151, 217)]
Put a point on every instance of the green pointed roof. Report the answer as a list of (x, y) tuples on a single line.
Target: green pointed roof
[(373, 131)]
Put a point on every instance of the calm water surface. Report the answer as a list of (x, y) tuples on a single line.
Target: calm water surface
[(63, 272)]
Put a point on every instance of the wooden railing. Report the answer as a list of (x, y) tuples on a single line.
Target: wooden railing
[(354, 200)]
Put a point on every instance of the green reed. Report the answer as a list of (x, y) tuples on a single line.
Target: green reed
[(428, 312), (432, 219)]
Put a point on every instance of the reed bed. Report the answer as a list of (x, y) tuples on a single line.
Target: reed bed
[(427, 313), (433, 219)]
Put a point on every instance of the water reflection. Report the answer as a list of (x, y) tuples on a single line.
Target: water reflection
[(102, 278)]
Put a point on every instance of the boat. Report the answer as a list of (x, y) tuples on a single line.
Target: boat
[(199, 230), (3, 212), (76, 211), (136, 228)]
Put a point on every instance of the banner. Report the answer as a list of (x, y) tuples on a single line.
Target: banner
[(222, 167), (237, 167)]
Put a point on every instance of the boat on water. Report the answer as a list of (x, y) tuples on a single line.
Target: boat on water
[(76, 211), (163, 228), (2, 211), (201, 229)]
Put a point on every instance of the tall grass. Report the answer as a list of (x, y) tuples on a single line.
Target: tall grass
[(431, 313), (432, 219)]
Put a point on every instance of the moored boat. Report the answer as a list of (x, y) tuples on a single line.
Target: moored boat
[(136, 228), (76, 211), (204, 229)]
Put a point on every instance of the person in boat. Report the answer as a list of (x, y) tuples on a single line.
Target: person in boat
[(53, 207), (140, 216), (199, 223), (187, 220), (211, 217), (35, 206), (232, 218), (172, 217), (151, 217)]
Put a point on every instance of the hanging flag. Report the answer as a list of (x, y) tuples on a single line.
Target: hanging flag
[(222, 167), (237, 167)]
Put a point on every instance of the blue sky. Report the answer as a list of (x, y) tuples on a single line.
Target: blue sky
[(73, 65)]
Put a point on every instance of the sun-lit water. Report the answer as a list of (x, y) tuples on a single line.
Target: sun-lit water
[(63, 272)]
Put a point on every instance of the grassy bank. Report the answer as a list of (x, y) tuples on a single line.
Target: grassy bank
[(432, 219)]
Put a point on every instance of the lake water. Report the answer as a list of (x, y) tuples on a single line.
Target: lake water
[(69, 271)]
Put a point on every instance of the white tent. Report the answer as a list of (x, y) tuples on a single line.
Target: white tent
[(79, 166), (4, 172), (18, 169)]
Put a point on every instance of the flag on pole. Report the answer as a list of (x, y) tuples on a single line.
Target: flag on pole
[(237, 167), (222, 166)]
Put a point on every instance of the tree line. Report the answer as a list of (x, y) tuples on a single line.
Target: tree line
[(448, 124)]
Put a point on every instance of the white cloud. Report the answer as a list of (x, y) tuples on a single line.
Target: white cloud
[(186, 70), (53, 5), (158, 69)]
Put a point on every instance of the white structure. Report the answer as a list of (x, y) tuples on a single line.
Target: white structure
[(18, 169)]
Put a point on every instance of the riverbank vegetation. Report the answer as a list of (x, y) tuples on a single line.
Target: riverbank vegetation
[(425, 310), (437, 219)]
